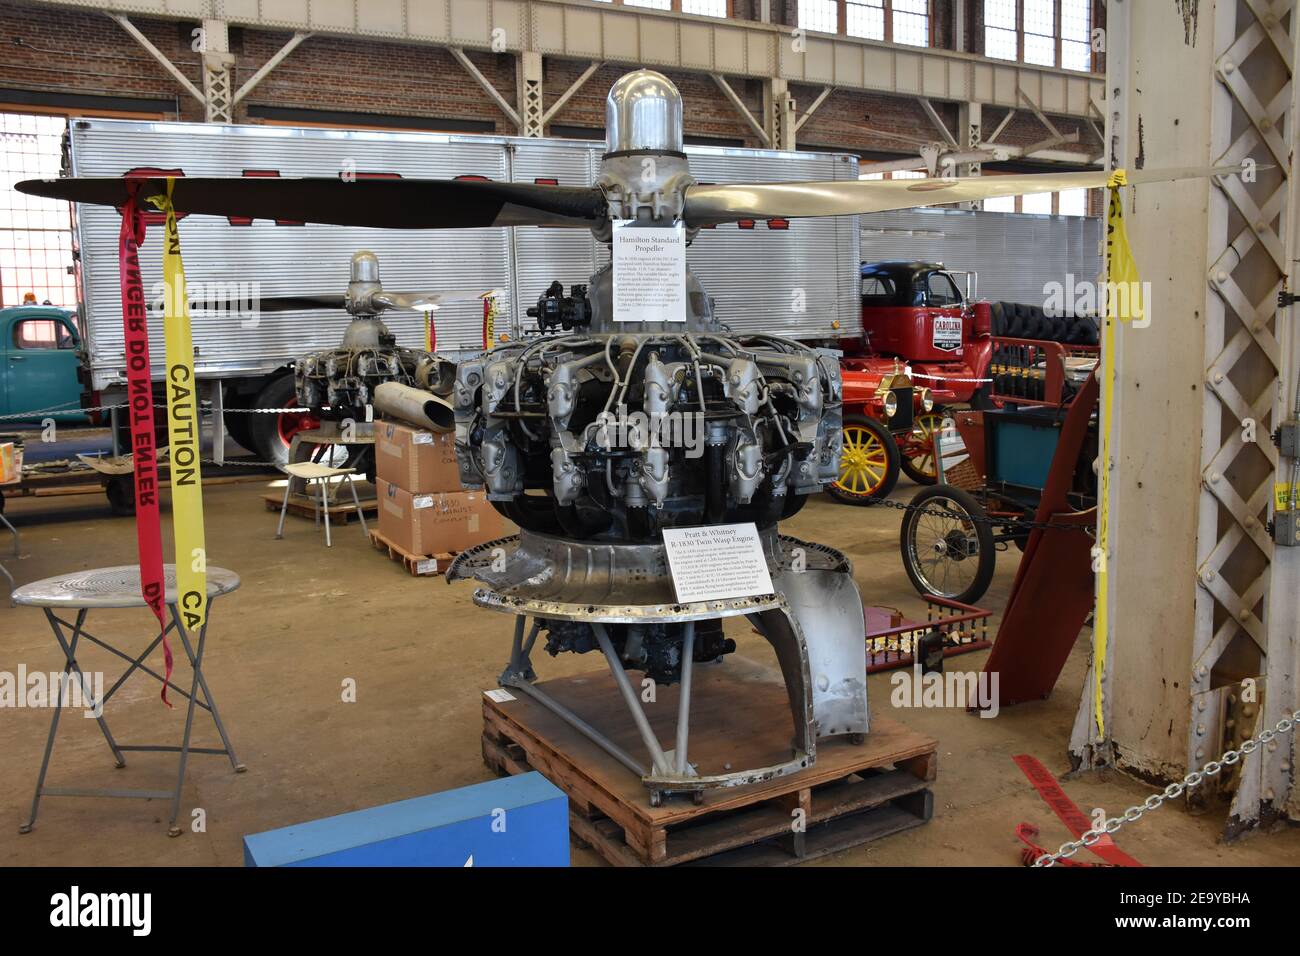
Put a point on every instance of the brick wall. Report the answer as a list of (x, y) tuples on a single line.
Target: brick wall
[(65, 52)]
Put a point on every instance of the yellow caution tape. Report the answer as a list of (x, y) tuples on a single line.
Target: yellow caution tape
[(1120, 268), (183, 430)]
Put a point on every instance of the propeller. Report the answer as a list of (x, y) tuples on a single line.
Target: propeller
[(427, 301), (365, 297), (383, 203), (457, 204)]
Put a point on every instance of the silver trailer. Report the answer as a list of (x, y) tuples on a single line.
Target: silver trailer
[(1015, 255), (797, 278)]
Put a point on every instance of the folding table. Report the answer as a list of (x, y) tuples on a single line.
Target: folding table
[(119, 587)]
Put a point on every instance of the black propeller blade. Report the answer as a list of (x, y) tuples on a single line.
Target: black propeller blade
[(271, 303), (384, 203)]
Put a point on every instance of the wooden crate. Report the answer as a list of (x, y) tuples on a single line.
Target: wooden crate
[(416, 564), (852, 794)]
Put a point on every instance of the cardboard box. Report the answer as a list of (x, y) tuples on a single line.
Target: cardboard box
[(420, 461), (437, 523), (11, 462)]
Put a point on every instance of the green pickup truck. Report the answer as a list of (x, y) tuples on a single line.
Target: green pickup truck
[(39, 359)]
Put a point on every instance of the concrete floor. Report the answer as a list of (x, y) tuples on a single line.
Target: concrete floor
[(307, 619)]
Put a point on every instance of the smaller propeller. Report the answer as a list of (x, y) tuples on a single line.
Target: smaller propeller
[(365, 296)]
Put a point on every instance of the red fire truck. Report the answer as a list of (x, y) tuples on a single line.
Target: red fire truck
[(925, 347)]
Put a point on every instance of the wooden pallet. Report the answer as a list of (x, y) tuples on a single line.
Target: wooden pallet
[(305, 507), (852, 794), (416, 564)]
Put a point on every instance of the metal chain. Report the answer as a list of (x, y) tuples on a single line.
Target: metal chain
[(1028, 523), (1171, 792)]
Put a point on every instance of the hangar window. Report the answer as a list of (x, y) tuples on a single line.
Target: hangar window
[(1037, 203), (911, 22), (820, 15), (1068, 202), (698, 8), (1043, 32), (1072, 202), (865, 18), (35, 233), (705, 8), (894, 21)]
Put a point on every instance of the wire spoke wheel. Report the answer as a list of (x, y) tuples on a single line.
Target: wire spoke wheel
[(917, 450), (869, 462), (947, 546)]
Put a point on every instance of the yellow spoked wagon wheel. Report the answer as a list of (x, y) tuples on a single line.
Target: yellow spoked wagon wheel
[(917, 452), (868, 462)]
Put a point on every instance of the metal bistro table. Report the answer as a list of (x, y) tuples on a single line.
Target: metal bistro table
[(120, 588)]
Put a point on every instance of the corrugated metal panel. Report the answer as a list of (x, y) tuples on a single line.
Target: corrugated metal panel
[(798, 281), (543, 255), (1015, 255), (283, 259)]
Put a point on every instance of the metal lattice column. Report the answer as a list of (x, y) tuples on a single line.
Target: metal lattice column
[(780, 119), (1245, 623), (1203, 647), (531, 111), (970, 123), (213, 43)]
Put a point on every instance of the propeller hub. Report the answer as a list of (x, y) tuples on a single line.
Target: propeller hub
[(364, 283), (365, 266), (643, 112)]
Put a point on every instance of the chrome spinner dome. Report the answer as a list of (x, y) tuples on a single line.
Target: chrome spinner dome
[(644, 112)]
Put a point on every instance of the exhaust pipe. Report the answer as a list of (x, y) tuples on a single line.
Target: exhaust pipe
[(413, 405)]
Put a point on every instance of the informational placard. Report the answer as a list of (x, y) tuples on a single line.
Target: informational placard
[(947, 332), (649, 272), (716, 562)]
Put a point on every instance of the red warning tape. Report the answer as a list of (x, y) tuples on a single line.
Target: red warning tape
[(135, 328), (1075, 820), (1032, 851)]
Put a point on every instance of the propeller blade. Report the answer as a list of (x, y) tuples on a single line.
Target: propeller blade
[(429, 300), (710, 205), (383, 203), (269, 303)]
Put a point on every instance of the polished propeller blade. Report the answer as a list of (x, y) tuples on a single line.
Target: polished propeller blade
[(384, 203), (429, 301), (710, 205)]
